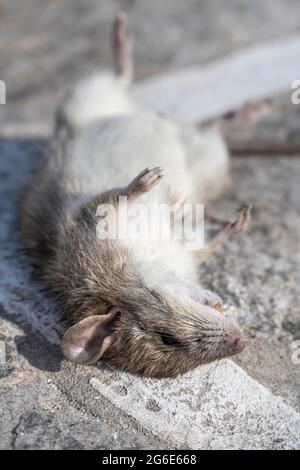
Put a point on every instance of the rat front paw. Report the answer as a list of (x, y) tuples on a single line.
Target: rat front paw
[(146, 180), (205, 297)]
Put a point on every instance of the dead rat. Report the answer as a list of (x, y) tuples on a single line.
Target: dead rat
[(134, 303)]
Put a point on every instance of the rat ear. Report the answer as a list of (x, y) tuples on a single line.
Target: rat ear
[(86, 342)]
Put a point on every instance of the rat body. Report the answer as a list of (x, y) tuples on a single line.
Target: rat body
[(134, 302)]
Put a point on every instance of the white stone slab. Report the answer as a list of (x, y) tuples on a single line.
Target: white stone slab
[(197, 94)]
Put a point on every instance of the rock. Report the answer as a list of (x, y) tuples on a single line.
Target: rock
[(292, 325)]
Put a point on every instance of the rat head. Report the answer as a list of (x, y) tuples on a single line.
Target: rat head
[(165, 334)]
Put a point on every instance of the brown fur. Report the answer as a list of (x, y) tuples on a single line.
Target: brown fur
[(89, 276)]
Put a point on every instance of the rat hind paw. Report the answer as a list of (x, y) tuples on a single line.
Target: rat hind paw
[(122, 40), (239, 225), (225, 232), (242, 219)]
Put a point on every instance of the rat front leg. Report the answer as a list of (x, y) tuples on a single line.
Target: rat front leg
[(203, 296), (225, 232), (193, 291), (142, 183)]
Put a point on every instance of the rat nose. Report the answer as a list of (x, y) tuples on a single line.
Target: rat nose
[(236, 342)]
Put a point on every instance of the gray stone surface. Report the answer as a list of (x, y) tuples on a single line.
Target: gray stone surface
[(51, 404), (47, 403)]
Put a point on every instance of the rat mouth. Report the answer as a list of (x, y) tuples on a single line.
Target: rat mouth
[(233, 342), (228, 346), (238, 345)]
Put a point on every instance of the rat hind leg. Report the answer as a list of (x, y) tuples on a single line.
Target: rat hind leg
[(103, 94), (122, 40), (227, 230)]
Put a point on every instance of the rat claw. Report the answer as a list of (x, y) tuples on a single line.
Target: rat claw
[(243, 218), (150, 178), (146, 180)]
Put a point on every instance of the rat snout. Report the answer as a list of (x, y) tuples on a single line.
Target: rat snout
[(235, 342)]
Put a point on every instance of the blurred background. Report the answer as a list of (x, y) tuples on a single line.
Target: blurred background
[(47, 45)]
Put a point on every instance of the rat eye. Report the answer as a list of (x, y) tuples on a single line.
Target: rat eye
[(169, 340)]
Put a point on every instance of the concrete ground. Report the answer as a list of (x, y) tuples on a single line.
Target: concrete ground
[(252, 403)]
